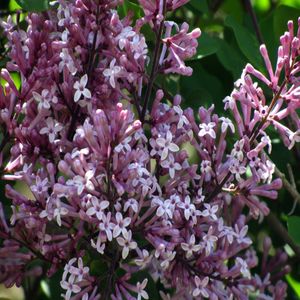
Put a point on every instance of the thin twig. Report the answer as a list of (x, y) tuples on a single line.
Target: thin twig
[(249, 8), (292, 190), (293, 182), (154, 67), (288, 186), (256, 130), (111, 273), (89, 69), (291, 175), (215, 5), (279, 229)]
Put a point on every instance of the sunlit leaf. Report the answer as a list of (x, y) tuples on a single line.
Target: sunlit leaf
[(16, 79), (129, 6), (33, 5), (246, 40), (13, 5), (262, 5), (294, 284), (45, 288), (292, 3), (12, 293)]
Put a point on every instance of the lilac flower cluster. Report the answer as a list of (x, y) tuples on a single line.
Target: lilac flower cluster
[(110, 177)]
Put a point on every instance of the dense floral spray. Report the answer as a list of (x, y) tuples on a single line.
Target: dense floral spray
[(103, 152)]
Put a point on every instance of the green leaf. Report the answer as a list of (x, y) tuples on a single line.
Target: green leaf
[(33, 5), (231, 59), (199, 5), (130, 6), (246, 41), (269, 37), (54, 285), (13, 5), (15, 77), (293, 224), (234, 8), (294, 284), (292, 3), (282, 15), (202, 88), (207, 45), (98, 268)]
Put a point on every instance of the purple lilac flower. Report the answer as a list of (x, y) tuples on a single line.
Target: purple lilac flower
[(102, 183)]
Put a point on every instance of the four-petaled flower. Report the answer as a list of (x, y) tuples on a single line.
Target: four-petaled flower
[(121, 225), (237, 150), (66, 60), (207, 129), (126, 33), (82, 182), (190, 247), (237, 169), (67, 268), (144, 259), (107, 226), (201, 287), (70, 286), (187, 206), (210, 211), (226, 123), (99, 245), (241, 235), (124, 146), (164, 207), (52, 128), (182, 118), (112, 72), (59, 211), (126, 243), (45, 98), (209, 241), (244, 268), (132, 204), (97, 208), (171, 165), (141, 290), (40, 186), (199, 197), (79, 271), (81, 90), (167, 145)]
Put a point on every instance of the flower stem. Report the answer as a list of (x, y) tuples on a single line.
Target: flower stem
[(88, 72), (154, 67)]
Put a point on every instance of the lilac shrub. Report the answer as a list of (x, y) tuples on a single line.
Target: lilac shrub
[(103, 151)]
